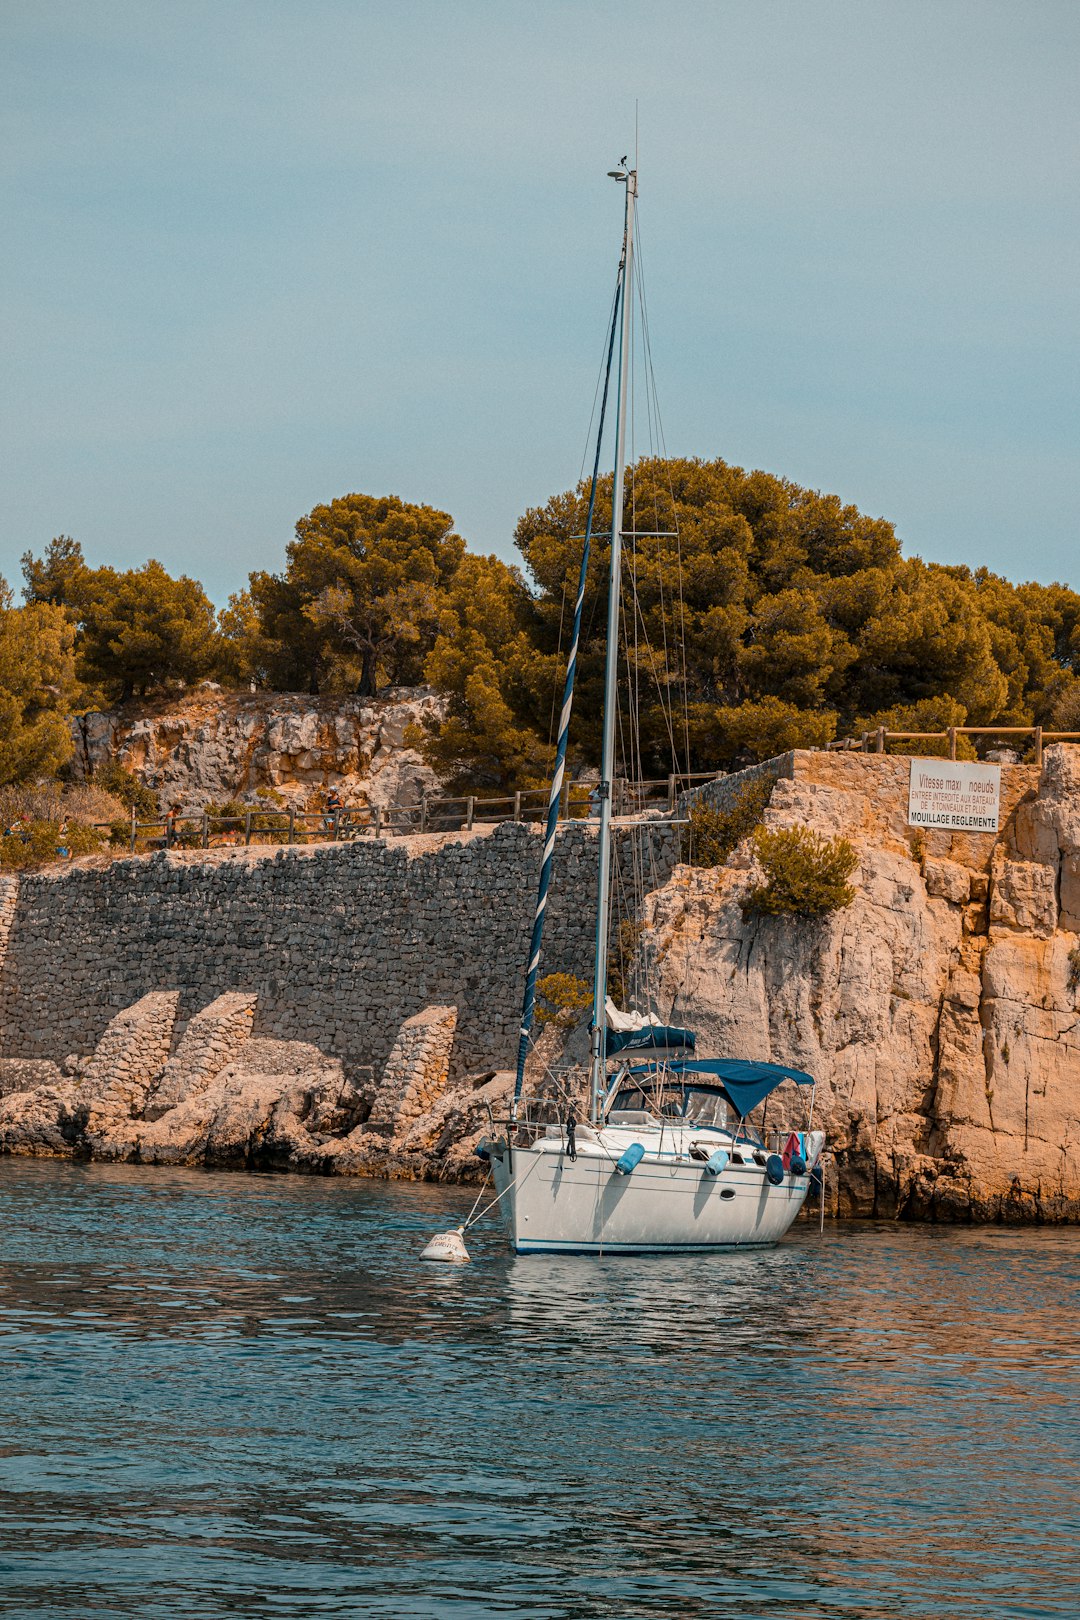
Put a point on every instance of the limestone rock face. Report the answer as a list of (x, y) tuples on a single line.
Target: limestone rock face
[(939, 1011), (46, 1122), (213, 745)]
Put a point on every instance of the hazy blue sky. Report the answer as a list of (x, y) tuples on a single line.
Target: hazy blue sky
[(258, 255)]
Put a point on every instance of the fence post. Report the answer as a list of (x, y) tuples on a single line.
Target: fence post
[(205, 829), (952, 742), (292, 821), (423, 812), (470, 812), (134, 829), (1038, 746), (671, 796), (247, 826), (517, 805), (879, 742), (378, 821)]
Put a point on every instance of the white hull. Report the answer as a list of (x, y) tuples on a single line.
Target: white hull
[(554, 1204)]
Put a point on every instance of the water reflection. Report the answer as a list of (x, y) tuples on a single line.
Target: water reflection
[(227, 1395)]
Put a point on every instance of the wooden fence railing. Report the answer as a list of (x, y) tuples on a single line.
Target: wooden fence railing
[(430, 814), (877, 742)]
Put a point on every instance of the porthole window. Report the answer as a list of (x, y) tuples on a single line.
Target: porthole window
[(727, 1192)]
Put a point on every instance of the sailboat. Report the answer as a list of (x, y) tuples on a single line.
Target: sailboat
[(669, 1158)]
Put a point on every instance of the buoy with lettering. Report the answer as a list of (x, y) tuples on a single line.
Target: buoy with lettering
[(448, 1246)]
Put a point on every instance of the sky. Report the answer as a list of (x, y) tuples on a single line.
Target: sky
[(258, 255)]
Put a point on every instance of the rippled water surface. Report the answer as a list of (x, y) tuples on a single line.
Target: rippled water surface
[(230, 1395)]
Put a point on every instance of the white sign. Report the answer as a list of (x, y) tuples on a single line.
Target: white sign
[(958, 794)]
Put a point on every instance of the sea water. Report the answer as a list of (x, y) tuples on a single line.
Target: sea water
[(229, 1395)]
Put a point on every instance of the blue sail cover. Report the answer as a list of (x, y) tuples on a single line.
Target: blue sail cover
[(744, 1083), (650, 1038)]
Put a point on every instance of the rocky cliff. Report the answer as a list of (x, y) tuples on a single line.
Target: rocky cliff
[(211, 745), (940, 1011)]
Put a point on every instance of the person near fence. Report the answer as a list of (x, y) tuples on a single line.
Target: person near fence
[(334, 808), (171, 815)]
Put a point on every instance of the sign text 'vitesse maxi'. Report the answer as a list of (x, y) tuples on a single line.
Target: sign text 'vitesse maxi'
[(958, 794)]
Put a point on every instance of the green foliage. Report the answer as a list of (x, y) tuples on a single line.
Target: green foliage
[(1074, 968), (359, 603), (561, 999), (57, 578), (764, 617), (931, 714), (37, 671), (484, 662), (801, 619), (142, 628), (756, 730), (270, 822), (1065, 715), (805, 875), (621, 977), (36, 843), (123, 785), (136, 630), (715, 829)]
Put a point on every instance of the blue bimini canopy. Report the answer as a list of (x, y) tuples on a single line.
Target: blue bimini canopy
[(744, 1084), (650, 1038)]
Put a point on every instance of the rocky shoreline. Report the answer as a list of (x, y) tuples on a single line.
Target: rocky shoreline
[(221, 1097), (939, 1011)]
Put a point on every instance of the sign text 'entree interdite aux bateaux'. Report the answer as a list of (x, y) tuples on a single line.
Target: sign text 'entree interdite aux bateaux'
[(959, 794)]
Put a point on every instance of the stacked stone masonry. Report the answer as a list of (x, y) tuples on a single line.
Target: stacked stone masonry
[(339, 943)]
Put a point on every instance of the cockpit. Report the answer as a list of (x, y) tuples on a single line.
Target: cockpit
[(693, 1105)]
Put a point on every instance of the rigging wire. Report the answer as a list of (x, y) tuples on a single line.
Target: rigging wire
[(557, 677)]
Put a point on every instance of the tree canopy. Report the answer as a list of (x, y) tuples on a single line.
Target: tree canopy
[(358, 605), (757, 616), (135, 629), (37, 680)]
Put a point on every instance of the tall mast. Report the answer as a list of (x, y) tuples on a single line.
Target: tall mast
[(627, 177)]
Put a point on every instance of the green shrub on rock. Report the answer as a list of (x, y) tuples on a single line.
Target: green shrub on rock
[(805, 875), (715, 830), (123, 785), (561, 999)]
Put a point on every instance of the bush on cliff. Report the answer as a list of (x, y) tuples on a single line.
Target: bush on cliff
[(561, 1000), (715, 829), (805, 875), (123, 785)]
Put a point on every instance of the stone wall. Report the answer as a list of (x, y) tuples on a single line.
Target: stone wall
[(9, 899), (339, 943)]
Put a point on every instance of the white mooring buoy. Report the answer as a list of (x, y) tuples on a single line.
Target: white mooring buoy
[(448, 1246)]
